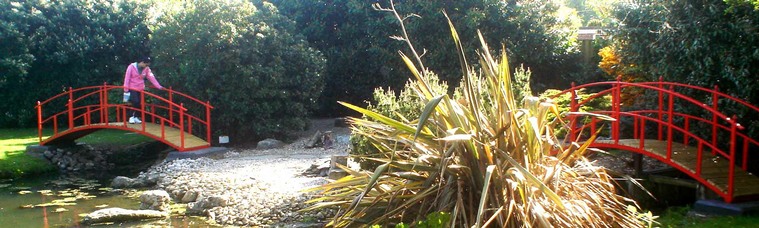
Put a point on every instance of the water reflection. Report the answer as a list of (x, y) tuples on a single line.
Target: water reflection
[(58, 201)]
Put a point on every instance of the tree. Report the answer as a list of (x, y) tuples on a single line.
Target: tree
[(246, 59), (47, 46), (702, 43), (361, 55)]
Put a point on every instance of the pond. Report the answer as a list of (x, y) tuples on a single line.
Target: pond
[(58, 201)]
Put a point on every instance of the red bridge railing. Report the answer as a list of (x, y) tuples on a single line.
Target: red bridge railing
[(667, 128), (102, 107)]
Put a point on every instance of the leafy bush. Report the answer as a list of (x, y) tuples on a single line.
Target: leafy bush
[(354, 39), (487, 165), (246, 60), (46, 46), (563, 102), (405, 106)]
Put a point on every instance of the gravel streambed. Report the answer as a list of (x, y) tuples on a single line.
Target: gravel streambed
[(248, 187)]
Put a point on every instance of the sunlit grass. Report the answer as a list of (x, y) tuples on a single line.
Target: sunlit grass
[(14, 162), (678, 217)]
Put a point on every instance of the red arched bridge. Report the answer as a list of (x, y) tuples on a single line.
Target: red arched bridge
[(707, 144), (75, 113)]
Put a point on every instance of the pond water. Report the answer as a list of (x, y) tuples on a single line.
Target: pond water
[(57, 201)]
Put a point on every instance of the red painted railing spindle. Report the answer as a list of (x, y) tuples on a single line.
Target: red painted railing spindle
[(71, 113), (661, 107), (39, 120), (715, 101), (181, 126), (731, 172), (208, 122), (699, 157), (573, 118), (670, 117), (142, 109), (616, 106)]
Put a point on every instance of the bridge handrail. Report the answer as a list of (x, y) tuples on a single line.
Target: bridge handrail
[(185, 120), (701, 119), (667, 91), (715, 91)]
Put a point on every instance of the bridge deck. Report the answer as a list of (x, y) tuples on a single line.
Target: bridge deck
[(714, 168), (171, 136)]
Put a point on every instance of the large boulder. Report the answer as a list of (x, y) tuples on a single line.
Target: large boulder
[(155, 200), (121, 215), (269, 144)]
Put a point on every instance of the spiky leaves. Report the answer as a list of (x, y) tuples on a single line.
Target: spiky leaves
[(483, 157)]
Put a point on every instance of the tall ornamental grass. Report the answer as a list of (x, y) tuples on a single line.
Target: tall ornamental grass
[(485, 158)]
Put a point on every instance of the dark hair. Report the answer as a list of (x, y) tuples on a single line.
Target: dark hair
[(145, 59)]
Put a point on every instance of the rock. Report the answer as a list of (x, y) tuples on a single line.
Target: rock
[(205, 203), (189, 196), (122, 182), (269, 144), (155, 200), (315, 140), (121, 215), (328, 140)]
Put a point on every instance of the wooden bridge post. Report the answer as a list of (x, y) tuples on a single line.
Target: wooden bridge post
[(661, 107), (181, 125), (71, 108), (39, 120), (715, 101), (617, 93), (731, 172), (670, 117), (171, 107), (208, 122), (573, 108), (142, 109)]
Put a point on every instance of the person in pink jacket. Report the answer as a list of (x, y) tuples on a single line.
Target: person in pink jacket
[(134, 84)]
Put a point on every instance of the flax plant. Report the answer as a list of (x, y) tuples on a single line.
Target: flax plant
[(486, 158)]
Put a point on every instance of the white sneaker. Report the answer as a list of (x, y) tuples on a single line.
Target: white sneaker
[(134, 120)]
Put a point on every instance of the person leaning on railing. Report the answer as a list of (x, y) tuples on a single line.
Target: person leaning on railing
[(134, 84)]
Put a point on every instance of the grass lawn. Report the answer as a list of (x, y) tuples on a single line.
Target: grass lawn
[(15, 163), (678, 217)]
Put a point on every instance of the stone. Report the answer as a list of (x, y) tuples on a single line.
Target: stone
[(122, 182), (269, 144), (315, 140), (121, 215), (203, 204), (189, 196), (155, 200), (328, 140)]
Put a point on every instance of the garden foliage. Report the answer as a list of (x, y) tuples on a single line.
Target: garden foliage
[(700, 43), (354, 38), (246, 59), (48, 46), (483, 158)]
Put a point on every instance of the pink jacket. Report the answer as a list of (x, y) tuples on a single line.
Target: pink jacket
[(136, 81)]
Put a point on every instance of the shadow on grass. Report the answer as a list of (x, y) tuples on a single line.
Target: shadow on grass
[(15, 163), (681, 217)]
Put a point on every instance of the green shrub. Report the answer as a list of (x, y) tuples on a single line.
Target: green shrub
[(405, 106), (243, 57), (46, 46), (563, 102)]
